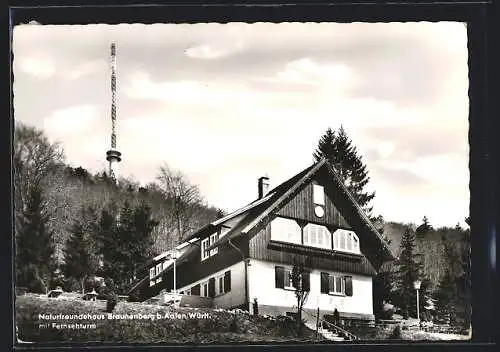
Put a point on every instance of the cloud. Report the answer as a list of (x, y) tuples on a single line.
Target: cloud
[(88, 68), (38, 67), (76, 119), (210, 52), (227, 102)]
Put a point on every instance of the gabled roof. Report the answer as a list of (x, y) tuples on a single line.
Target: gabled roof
[(257, 212), (278, 196)]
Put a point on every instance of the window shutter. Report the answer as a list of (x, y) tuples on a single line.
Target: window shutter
[(227, 281), (324, 283), (348, 286), (195, 290), (306, 285), (279, 277), (211, 287)]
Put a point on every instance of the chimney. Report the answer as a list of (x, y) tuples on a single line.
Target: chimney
[(263, 186)]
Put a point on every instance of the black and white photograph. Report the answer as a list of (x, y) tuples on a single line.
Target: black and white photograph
[(225, 183)]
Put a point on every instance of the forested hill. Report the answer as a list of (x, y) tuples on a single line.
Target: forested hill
[(430, 245), (40, 166), (69, 189)]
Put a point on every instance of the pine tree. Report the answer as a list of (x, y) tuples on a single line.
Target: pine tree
[(127, 244), (446, 298), (142, 242), (35, 264), (424, 228), (337, 148), (453, 296), (409, 269), (80, 253)]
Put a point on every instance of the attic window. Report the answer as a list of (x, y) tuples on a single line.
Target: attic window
[(318, 195), (345, 240)]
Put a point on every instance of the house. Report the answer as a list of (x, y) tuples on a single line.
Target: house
[(248, 255)]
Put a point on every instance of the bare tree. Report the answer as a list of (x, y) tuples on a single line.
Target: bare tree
[(33, 160), (183, 197), (301, 283)]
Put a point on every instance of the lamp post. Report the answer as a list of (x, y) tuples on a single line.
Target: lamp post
[(173, 256), (416, 285)]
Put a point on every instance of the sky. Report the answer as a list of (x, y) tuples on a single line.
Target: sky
[(228, 103)]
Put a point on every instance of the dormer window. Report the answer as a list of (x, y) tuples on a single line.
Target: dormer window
[(151, 275), (207, 242), (204, 252), (213, 239), (345, 240)]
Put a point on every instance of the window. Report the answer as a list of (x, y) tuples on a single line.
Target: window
[(220, 285), (345, 240), (317, 236), (285, 230), (213, 239), (283, 279), (207, 242), (158, 271), (318, 195), (187, 292), (204, 251), (151, 272), (336, 284), (288, 279), (204, 289)]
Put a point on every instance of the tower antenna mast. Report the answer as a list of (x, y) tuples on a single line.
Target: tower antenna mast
[(113, 156)]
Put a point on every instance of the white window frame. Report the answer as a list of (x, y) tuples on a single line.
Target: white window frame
[(152, 272), (202, 289), (288, 285), (320, 231), (349, 237), (219, 280), (281, 228), (213, 238), (332, 278), (204, 253), (318, 195)]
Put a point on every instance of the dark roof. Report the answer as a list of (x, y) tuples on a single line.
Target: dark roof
[(280, 195), (258, 211)]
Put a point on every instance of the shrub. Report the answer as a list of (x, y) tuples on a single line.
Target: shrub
[(396, 333), (111, 303)]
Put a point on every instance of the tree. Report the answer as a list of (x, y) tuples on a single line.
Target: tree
[(453, 293), (183, 197), (301, 284), (141, 242), (424, 228), (408, 269), (33, 159), (80, 253), (382, 289), (337, 148), (34, 246), (127, 243)]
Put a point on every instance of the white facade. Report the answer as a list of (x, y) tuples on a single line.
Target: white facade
[(261, 277), (233, 298)]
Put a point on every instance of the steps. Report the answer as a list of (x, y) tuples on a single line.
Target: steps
[(327, 334)]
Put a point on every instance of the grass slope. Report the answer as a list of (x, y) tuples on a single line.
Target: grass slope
[(165, 325)]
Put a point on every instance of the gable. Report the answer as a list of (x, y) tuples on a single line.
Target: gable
[(302, 207)]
